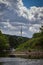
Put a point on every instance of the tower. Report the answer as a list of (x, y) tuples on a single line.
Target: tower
[(21, 30)]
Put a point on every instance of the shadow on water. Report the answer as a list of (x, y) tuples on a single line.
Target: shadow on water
[(1, 63)]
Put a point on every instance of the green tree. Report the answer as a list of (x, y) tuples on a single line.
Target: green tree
[(4, 45), (0, 33)]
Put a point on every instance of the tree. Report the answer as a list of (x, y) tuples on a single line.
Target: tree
[(13, 42), (41, 29), (3, 42), (4, 45), (0, 33)]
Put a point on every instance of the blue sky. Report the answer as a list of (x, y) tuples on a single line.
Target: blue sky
[(13, 13), (30, 3)]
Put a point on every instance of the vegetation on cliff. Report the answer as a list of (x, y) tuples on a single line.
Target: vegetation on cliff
[(35, 43)]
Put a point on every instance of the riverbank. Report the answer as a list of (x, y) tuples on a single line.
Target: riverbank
[(26, 54)]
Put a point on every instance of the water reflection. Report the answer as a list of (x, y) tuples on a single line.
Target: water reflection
[(18, 61), (1, 63)]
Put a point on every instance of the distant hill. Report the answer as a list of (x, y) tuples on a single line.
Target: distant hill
[(8, 42), (22, 43), (15, 41), (32, 44), (35, 43)]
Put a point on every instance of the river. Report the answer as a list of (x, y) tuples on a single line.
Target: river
[(20, 61)]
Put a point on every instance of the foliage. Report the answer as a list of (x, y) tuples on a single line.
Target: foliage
[(41, 29), (4, 45), (35, 43), (22, 43), (15, 41)]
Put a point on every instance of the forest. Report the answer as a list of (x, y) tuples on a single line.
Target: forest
[(19, 43)]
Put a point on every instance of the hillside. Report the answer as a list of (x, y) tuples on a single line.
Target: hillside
[(15, 41), (32, 44), (19, 43), (8, 42), (35, 43)]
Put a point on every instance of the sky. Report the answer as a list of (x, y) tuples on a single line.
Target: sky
[(30, 3), (14, 13)]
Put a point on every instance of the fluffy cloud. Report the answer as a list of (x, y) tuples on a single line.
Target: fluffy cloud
[(18, 12), (33, 14), (14, 12), (34, 28), (8, 28)]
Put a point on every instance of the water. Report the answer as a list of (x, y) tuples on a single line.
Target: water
[(20, 61)]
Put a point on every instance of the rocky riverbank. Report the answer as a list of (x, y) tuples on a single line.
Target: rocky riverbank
[(24, 54)]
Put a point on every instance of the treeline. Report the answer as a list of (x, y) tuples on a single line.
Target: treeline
[(7, 42), (4, 44), (35, 43), (15, 41), (19, 43)]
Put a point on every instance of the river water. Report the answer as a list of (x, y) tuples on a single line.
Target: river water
[(20, 61)]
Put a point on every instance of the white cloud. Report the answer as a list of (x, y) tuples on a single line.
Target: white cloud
[(14, 12), (5, 2), (32, 14), (23, 33), (8, 25), (18, 10), (34, 28)]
